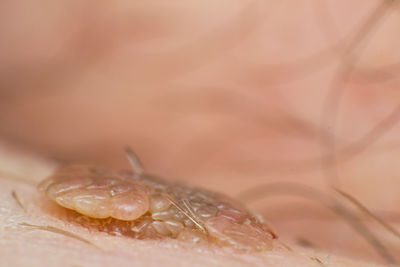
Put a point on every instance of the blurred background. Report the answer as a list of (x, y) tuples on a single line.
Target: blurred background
[(224, 94)]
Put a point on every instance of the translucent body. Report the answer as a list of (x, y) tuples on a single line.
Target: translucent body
[(150, 207)]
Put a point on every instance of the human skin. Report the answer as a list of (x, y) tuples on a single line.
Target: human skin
[(227, 100), (21, 244)]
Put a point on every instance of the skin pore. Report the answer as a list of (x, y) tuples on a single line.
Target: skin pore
[(224, 95)]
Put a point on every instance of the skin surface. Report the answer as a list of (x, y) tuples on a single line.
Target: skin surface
[(22, 245), (227, 99), (142, 206)]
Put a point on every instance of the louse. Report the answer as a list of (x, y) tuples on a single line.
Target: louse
[(143, 206)]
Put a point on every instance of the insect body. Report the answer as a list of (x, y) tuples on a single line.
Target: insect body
[(144, 206)]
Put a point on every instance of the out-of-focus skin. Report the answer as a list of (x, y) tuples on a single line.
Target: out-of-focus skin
[(226, 95)]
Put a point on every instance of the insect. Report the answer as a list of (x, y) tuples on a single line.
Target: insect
[(143, 206)]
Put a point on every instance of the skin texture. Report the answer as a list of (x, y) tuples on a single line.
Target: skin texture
[(22, 245), (228, 100), (142, 206)]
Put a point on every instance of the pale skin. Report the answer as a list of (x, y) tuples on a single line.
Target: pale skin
[(227, 100), (23, 242)]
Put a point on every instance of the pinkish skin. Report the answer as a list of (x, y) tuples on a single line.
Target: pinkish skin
[(143, 206)]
